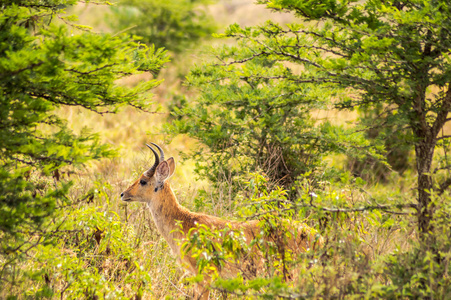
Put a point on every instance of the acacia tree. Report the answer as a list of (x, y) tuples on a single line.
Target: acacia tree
[(251, 122), (252, 119), (390, 55), (46, 62)]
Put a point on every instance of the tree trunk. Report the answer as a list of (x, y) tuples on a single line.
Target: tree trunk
[(424, 153)]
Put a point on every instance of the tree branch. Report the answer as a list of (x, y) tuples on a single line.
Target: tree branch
[(32, 66), (443, 137), (444, 186)]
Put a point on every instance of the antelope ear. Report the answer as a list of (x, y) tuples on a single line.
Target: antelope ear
[(162, 172), (171, 163)]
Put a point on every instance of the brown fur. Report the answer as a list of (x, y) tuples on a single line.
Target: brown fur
[(168, 213)]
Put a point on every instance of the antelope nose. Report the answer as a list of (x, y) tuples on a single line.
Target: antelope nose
[(122, 195)]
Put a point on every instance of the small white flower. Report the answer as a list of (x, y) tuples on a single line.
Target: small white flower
[(313, 195), (313, 261)]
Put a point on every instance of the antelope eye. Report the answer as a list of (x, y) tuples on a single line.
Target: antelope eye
[(143, 182)]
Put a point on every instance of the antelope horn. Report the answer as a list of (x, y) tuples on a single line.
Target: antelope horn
[(161, 151), (151, 171)]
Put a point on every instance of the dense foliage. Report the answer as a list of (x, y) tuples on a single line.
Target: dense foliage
[(46, 62)]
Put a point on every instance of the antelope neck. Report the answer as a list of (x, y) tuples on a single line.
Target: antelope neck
[(167, 213)]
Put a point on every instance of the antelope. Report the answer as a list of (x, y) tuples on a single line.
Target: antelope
[(153, 188)]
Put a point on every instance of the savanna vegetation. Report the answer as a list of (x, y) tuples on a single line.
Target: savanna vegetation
[(330, 113)]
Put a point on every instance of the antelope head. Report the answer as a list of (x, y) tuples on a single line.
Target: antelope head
[(151, 182)]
